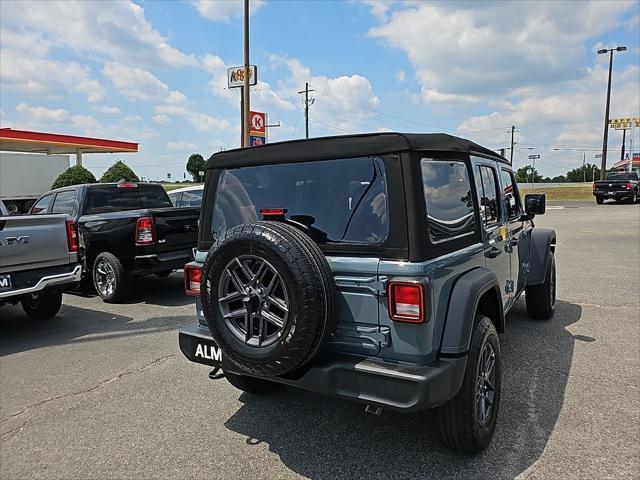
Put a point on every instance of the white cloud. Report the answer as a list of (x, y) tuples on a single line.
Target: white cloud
[(132, 118), (141, 85), (466, 52), (200, 121), (181, 146), (161, 119), (218, 10), (118, 31), (41, 114), (379, 8), (343, 102), (570, 119), (401, 75), (41, 78), (106, 109)]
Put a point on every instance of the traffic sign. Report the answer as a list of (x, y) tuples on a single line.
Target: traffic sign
[(534, 157), (598, 155), (258, 123)]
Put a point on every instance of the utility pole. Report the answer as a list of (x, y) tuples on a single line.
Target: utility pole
[(245, 89), (624, 138), (513, 129), (603, 163), (307, 104), (584, 171)]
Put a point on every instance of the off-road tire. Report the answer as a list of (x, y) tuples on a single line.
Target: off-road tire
[(633, 199), (122, 289), (250, 384), (541, 299), (307, 276), (458, 420), (44, 305), (599, 199)]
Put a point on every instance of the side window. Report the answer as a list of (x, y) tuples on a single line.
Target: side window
[(448, 198), (175, 198), (488, 195), (191, 198), (510, 194), (41, 205), (65, 202)]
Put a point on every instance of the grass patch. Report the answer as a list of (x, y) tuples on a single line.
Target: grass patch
[(573, 192), (172, 186)]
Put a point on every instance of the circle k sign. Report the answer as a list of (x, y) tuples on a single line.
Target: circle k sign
[(258, 122)]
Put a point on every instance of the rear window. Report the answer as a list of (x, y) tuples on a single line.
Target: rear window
[(342, 200), (116, 199), (622, 176)]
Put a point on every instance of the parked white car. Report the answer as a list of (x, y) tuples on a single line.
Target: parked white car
[(187, 197)]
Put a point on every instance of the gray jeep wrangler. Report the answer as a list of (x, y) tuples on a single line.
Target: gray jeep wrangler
[(377, 268)]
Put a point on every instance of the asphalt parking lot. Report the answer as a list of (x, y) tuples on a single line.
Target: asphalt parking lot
[(102, 391)]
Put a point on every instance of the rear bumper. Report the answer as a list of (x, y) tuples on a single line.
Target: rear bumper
[(400, 387), (613, 194), (158, 262), (62, 281)]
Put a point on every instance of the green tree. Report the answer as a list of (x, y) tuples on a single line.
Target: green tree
[(75, 175), (559, 179), (523, 177), (581, 173), (119, 171), (195, 165)]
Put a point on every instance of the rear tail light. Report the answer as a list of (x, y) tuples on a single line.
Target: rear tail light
[(629, 186), (406, 302), (145, 231), (192, 276), (72, 236), (593, 186)]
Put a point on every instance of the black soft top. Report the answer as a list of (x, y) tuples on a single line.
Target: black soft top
[(345, 146)]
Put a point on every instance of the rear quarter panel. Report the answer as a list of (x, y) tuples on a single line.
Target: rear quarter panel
[(420, 343)]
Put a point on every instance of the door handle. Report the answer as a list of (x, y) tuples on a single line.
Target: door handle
[(493, 252)]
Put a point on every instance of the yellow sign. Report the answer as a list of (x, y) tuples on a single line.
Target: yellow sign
[(621, 123)]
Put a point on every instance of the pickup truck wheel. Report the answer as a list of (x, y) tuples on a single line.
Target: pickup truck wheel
[(468, 421), (250, 384), (634, 198), (541, 299), (267, 297), (111, 281), (44, 305), (599, 199)]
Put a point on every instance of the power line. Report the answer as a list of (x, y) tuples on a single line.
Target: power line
[(331, 126)]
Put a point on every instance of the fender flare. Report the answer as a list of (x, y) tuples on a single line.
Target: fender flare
[(461, 311), (543, 240)]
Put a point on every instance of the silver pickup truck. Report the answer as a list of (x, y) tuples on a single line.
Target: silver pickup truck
[(38, 261)]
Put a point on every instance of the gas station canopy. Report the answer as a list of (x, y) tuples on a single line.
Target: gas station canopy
[(53, 143)]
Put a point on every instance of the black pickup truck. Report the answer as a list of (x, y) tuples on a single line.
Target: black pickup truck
[(618, 185), (125, 230)]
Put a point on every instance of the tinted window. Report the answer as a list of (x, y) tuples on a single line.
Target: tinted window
[(488, 195), (42, 205), (622, 176), (510, 194), (102, 200), (447, 193), (175, 198), (192, 198), (154, 197), (338, 200), (65, 202)]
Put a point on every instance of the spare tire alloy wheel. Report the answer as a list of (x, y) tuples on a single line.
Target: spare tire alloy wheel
[(268, 297), (253, 300)]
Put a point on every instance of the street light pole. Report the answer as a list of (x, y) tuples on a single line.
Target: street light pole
[(603, 163)]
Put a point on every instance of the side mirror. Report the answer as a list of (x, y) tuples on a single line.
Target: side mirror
[(535, 204)]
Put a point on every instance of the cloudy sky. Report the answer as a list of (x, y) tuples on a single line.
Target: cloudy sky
[(155, 73)]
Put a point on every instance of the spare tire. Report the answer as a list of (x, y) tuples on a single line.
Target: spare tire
[(268, 296)]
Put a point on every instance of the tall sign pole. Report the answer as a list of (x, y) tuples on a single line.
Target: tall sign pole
[(245, 89), (603, 162)]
